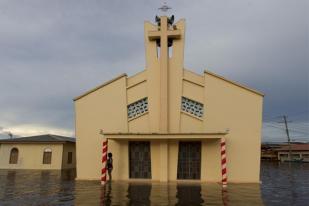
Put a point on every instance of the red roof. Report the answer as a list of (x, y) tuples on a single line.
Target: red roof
[(294, 147)]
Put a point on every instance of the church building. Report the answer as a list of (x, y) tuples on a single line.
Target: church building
[(166, 122)]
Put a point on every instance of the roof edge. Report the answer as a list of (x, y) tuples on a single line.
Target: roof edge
[(154, 133), (100, 86), (234, 83), (35, 142)]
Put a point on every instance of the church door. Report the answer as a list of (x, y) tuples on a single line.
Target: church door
[(189, 160), (139, 159)]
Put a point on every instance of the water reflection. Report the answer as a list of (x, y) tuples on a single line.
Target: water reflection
[(283, 184), (139, 194), (225, 197), (10, 184), (122, 193), (189, 195)]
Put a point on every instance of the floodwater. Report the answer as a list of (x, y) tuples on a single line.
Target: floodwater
[(282, 184)]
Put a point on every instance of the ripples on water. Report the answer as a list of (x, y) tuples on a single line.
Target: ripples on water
[(283, 184)]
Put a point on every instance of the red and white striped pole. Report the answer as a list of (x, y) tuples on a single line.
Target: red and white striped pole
[(223, 163), (104, 160)]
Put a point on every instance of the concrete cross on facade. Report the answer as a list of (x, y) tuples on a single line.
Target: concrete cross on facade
[(165, 33)]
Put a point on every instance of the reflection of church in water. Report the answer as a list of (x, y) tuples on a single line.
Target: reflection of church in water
[(165, 123)]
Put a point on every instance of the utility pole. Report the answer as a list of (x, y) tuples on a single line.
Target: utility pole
[(287, 134)]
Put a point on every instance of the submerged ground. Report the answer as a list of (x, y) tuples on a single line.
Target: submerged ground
[(282, 184)]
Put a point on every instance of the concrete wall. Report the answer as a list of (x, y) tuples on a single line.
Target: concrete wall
[(68, 147), (228, 106), (106, 109), (30, 156), (295, 155)]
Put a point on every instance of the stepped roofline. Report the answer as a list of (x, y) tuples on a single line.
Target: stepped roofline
[(234, 83)]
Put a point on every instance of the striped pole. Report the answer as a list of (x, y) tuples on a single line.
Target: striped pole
[(104, 160), (223, 163)]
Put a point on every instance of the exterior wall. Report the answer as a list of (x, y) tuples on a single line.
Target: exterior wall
[(30, 156), (68, 147), (226, 106), (210, 160), (231, 107), (301, 155), (105, 109)]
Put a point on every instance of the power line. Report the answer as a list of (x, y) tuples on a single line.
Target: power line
[(299, 113), (303, 123), (297, 130), (271, 118), (293, 130)]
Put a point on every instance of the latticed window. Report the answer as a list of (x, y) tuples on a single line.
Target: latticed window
[(47, 156), (192, 107), (14, 156), (137, 108)]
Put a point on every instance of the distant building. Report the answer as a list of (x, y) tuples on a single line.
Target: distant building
[(38, 152), (269, 151), (299, 152)]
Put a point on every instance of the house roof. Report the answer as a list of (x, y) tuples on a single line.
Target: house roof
[(294, 147), (46, 138)]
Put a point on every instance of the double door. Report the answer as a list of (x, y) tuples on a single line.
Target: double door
[(189, 160), (139, 159)]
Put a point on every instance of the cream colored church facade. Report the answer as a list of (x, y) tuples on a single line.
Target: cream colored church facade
[(165, 123)]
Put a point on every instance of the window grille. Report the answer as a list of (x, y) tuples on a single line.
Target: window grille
[(192, 107), (137, 108)]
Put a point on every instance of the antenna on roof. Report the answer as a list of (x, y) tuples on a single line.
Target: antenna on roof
[(10, 134), (2, 131)]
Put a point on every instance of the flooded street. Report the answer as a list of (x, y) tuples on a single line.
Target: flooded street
[(282, 184)]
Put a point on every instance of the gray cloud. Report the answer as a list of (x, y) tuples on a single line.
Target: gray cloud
[(52, 51)]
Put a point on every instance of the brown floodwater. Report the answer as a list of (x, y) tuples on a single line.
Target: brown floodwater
[(282, 184)]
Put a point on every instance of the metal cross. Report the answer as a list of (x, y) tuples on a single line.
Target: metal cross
[(164, 8)]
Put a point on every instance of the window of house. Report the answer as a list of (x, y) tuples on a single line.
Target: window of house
[(70, 157), (305, 155), (47, 156), (14, 156), (296, 155), (283, 155)]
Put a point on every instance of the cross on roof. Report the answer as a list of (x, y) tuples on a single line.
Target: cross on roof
[(163, 36), (164, 32), (164, 8)]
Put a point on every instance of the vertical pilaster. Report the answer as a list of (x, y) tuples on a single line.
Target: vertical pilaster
[(164, 76), (164, 161)]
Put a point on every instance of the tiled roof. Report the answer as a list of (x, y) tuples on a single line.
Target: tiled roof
[(39, 139), (295, 147)]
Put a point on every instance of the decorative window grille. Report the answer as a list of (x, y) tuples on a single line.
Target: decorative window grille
[(137, 108), (192, 107)]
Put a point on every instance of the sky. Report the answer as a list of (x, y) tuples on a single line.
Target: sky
[(53, 51)]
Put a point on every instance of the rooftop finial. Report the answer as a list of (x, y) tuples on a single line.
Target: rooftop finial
[(164, 7)]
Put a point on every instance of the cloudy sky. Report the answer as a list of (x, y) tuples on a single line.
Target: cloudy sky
[(52, 51)]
